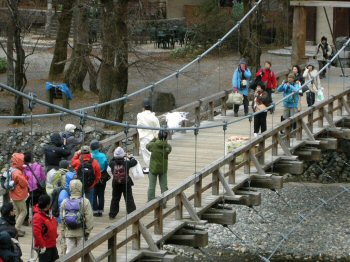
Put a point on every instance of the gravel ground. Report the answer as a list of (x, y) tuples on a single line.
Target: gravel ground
[(323, 236)]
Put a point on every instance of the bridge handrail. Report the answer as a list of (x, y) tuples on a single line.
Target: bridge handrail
[(134, 219)]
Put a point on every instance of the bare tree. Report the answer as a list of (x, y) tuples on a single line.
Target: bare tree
[(60, 52), (114, 67)]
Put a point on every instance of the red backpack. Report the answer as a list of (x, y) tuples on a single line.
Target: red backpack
[(119, 173)]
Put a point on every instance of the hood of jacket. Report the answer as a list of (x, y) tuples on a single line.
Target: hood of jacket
[(17, 160), (36, 209), (76, 188), (160, 143), (56, 139)]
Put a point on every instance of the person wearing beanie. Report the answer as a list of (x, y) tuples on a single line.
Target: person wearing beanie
[(88, 171), (148, 119), (35, 174), (240, 83), (290, 103), (10, 250), (160, 149), (310, 74), (8, 220), (100, 187), (20, 192), (72, 138), (45, 230), (54, 152), (121, 183), (74, 237)]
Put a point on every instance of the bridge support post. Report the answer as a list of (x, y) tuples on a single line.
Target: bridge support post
[(223, 105), (158, 216), (232, 172), (198, 193), (310, 120), (112, 246), (321, 115), (299, 35)]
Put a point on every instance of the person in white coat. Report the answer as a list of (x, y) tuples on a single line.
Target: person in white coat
[(147, 118), (310, 73)]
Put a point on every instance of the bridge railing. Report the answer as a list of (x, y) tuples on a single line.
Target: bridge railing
[(185, 207)]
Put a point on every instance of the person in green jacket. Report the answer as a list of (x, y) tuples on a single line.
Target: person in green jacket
[(160, 149)]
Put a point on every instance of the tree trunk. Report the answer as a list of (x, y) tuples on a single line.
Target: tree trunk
[(60, 52), (20, 77), (9, 50), (93, 75), (49, 15), (250, 38), (77, 70), (109, 40), (122, 56)]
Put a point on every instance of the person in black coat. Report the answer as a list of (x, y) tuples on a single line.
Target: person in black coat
[(54, 152), (121, 187), (8, 220)]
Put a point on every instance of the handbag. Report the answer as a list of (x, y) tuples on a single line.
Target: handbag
[(105, 177), (136, 172), (41, 186), (237, 98), (319, 95)]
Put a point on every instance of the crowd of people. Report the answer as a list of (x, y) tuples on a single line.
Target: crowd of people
[(61, 197), (260, 89)]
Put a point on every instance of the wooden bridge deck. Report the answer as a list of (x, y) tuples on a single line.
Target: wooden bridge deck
[(187, 157)]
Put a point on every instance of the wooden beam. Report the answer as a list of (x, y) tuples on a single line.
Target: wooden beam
[(343, 4), (307, 130), (220, 216), (261, 171), (346, 106), (189, 207), (225, 184), (328, 118), (148, 237), (299, 35), (283, 145)]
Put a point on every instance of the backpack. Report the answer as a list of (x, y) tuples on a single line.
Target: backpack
[(54, 204), (69, 177), (86, 174), (53, 179), (119, 173), (73, 217), (6, 181)]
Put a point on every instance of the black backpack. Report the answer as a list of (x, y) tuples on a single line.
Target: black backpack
[(54, 205), (86, 174), (119, 173)]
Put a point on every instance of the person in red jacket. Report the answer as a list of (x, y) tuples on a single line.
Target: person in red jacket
[(84, 156), (45, 230), (20, 192), (268, 78)]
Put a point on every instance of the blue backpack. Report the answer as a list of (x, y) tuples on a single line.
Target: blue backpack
[(69, 177), (73, 216)]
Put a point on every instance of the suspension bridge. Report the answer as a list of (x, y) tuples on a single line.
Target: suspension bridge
[(202, 175)]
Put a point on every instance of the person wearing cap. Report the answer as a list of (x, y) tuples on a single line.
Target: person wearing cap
[(120, 160), (323, 53), (310, 75), (240, 84), (99, 190), (54, 152), (83, 156), (19, 194), (45, 230), (72, 138), (290, 103), (147, 118), (8, 220)]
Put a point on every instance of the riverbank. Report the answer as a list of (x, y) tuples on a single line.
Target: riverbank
[(322, 236)]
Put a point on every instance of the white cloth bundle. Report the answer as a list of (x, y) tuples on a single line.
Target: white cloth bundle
[(174, 119)]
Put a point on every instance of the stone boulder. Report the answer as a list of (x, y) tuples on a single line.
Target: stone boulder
[(163, 102)]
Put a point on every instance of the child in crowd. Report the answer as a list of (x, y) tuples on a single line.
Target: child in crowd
[(261, 102)]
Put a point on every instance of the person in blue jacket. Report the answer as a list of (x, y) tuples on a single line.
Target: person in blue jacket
[(290, 104), (240, 83), (100, 187)]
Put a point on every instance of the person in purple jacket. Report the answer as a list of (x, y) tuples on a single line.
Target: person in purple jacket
[(35, 174)]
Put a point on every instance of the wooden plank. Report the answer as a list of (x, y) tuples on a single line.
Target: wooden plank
[(342, 4), (346, 106)]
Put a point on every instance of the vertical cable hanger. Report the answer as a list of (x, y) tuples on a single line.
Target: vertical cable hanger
[(126, 132), (219, 50), (198, 76)]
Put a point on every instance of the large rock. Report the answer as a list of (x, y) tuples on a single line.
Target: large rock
[(163, 102)]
